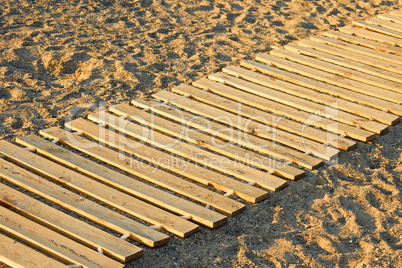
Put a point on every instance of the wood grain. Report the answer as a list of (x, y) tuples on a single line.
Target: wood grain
[(98, 191), (227, 134), (69, 226), (147, 172), (18, 255), (80, 205), (52, 243)]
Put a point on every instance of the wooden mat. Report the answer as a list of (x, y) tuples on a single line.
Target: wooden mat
[(96, 192)]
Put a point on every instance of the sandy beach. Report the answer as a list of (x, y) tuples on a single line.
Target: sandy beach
[(57, 55)]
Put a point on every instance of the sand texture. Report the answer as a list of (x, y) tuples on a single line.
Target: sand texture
[(55, 55)]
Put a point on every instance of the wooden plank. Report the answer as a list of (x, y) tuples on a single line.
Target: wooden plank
[(386, 39), (178, 147), (304, 92), (252, 125), (389, 17), (352, 56), (119, 181), (198, 138), (365, 68), (364, 42), (265, 104), (98, 191), (194, 136), (16, 254), (79, 205), (396, 13), (260, 119), (331, 78), (199, 108), (299, 91), (66, 225), (261, 116), (359, 49), (385, 24), (52, 243), (324, 87), (298, 103), (149, 173), (203, 139), (134, 187), (338, 70), (378, 29), (225, 133)]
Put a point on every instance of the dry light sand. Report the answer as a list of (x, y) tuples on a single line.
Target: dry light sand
[(55, 55)]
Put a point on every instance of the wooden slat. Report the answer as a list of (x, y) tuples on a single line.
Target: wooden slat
[(124, 183), (364, 42), (386, 39), (206, 140), (52, 243), (378, 29), (141, 190), (304, 92), (193, 135), (386, 65), (331, 79), (98, 191), (359, 49), (252, 126), (182, 149), (341, 80), (396, 13), (200, 139), (16, 254), (338, 70), (68, 226), (79, 205), (149, 173), (260, 120), (389, 17), (386, 24), (264, 104), (365, 68), (225, 133), (205, 110), (324, 87), (298, 103)]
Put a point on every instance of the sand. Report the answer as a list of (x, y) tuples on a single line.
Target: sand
[(56, 55)]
